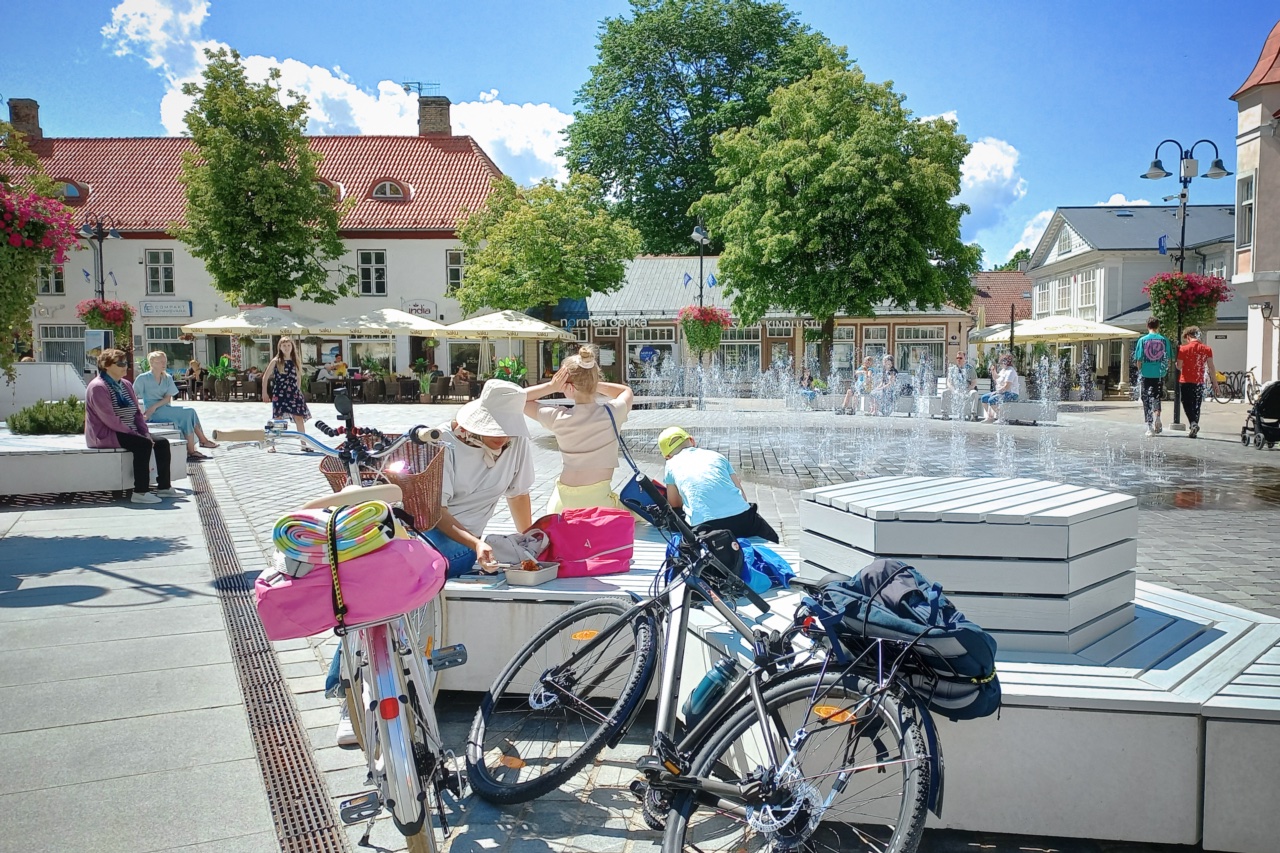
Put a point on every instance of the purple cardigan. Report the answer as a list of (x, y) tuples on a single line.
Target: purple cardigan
[(101, 423)]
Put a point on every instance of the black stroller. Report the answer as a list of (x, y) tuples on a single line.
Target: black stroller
[(1262, 424)]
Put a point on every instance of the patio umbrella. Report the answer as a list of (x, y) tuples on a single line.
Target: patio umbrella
[(384, 321), (1054, 328), (507, 324), (256, 321)]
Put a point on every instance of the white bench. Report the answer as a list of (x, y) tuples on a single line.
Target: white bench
[(1029, 411), (61, 464)]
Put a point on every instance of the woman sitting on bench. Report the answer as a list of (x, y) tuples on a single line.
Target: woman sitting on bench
[(1007, 387), (158, 390), (112, 419)]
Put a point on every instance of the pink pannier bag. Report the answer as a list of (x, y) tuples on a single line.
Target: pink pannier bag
[(400, 576), (589, 542)]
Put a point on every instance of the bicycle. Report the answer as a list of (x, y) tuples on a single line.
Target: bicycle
[(389, 664), (1237, 385), (803, 749)]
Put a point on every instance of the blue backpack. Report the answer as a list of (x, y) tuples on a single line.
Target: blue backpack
[(953, 667)]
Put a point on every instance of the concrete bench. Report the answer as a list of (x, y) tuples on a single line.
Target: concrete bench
[(1029, 411), (59, 464)]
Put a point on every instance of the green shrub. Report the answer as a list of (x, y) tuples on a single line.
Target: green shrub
[(65, 417)]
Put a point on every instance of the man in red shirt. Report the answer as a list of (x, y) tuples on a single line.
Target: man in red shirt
[(1195, 363)]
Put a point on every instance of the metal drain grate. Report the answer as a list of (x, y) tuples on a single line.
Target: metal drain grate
[(299, 802)]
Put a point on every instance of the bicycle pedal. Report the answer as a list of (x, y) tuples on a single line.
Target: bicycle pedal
[(447, 657), (363, 807)]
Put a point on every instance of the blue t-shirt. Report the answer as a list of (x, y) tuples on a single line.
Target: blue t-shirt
[(704, 479), (1152, 352)]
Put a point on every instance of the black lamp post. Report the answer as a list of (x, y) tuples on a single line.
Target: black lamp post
[(700, 237), (95, 230), (1187, 168)]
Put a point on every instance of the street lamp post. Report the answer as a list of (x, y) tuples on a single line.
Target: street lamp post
[(700, 237), (1187, 168), (95, 230)]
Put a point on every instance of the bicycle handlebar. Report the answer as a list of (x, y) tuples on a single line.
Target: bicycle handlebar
[(417, 434)]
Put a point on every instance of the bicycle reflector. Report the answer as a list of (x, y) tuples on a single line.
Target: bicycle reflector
[(389, 708), (834, 714), (587, 634)]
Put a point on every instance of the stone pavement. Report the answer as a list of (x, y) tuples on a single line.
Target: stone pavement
[(1227, 554)]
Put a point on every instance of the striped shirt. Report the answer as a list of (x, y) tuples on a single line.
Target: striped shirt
[(127, 413)]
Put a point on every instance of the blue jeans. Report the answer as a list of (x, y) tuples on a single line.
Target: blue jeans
[(998, 397)]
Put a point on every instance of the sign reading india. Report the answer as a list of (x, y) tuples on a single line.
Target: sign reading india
[(166, 308), (421, 308)]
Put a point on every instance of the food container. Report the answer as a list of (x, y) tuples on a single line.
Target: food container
[(517, 576)]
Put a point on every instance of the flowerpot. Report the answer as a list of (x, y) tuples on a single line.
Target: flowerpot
[(424, 398), (222, 389), (373, 390)]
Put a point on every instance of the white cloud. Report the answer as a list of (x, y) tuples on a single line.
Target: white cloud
[(990, 182), (1119, 199), (949, 115), (1031, 233), (521, 138)]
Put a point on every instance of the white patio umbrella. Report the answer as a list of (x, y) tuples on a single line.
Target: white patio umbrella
[(255, 321), (512, 325), (1053, 328), (383, 321)]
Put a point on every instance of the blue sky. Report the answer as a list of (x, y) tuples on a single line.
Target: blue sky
[(1064, 102)]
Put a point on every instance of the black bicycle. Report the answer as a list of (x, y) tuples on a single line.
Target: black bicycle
[(806, 749)]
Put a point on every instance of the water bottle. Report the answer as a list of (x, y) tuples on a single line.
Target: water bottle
[(709, 690)]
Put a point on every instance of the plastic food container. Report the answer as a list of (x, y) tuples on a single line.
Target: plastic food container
[(517, 576)]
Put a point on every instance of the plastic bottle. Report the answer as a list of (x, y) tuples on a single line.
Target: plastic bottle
[(709, 690)]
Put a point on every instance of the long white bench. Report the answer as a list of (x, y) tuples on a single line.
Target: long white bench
[(61, 464), (1029, 411)]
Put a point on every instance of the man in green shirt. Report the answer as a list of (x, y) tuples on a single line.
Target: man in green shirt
[(1152, 354)]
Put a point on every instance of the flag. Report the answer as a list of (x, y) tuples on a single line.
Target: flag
[(1163, 244), (86, 275), (687, 278), (711, 280)]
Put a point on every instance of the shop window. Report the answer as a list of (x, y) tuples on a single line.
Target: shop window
[(165, 339), (919, 347), (64, 343)]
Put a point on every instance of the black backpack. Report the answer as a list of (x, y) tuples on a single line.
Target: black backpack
[(950, 661)]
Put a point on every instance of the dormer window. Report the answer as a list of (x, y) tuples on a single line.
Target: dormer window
[(389, 191), (71, 193), (333, 191), (1065, 241)]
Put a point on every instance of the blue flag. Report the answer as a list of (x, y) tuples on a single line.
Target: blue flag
[(711, 280), (687, 278), (1163, 244), (86, 275)]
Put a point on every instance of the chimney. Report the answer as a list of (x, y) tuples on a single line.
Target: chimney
[(433, 116), (1024, 265), (24, 115)]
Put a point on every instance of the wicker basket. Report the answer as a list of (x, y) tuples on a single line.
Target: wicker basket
[(420, 478)]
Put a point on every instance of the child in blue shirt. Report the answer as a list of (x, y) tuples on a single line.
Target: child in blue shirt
[(1152, 354), (703, 483)]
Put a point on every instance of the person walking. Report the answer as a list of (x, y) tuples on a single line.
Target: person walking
[(112, 419), (1195, 364), (282, 389), (1152, 354)]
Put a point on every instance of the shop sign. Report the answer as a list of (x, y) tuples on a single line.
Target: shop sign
[(166, 308), (648, 353), (609, 322), (793, 323), (421, 308)]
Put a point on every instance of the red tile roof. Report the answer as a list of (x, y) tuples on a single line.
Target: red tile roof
[(1267, 70), (996, 291), (135, 180)]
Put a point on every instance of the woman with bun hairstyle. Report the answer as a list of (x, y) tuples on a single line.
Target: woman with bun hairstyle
[(585, 432)]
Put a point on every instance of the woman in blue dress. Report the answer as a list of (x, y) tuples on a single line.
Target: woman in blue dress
[(157, 390), (282, 388)]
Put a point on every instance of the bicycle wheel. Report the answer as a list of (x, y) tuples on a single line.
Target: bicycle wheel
[(1220, 392), (1250, 390), (394, 728), (539, 723), (825, 797)]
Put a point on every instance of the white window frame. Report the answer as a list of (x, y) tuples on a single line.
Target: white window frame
[(72, 336), (1245, 211), (845, 333), (50, 281), (1066, 241), (369, 262), (606, 331), (650, 334), (930, 337), (158, 263), (740, 348), (875, 341), (1042, 298), (389, 191), (454, 269), (1062, 295), (1087, 290), (1216, 266), (581, 334)]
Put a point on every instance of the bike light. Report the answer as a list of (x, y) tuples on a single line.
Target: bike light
[(389, 709)]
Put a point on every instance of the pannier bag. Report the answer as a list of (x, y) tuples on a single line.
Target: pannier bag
[(401, 576), (589, 542), (955, 668), (361, 529)]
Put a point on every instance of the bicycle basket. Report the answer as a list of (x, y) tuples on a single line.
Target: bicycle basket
[(418, 469)]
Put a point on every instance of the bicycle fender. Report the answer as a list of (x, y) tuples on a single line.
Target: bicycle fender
[(934, 743)]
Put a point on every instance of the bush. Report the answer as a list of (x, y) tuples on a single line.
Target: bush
[(65, 417)]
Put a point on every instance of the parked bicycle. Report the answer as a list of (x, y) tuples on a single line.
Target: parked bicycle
[(1236, 385), (388, 665), (804, 750)]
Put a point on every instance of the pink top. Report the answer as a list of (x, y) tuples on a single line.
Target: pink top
[(101, 423)]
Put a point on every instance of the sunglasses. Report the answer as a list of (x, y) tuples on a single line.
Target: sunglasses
[(122, 362)]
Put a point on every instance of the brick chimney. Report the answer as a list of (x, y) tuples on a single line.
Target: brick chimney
[(24, 115), (433, 116)]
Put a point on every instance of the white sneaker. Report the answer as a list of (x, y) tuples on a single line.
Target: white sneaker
[(144, 498), (1150, 432), (1191, 432), (170, 493), (346, 735), (1158, 428)]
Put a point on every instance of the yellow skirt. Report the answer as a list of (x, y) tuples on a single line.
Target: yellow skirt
[(581, 497)]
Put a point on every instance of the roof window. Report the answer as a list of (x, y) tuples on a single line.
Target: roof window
[(389, 191), (71, 193)]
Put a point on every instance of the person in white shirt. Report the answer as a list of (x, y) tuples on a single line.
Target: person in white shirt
[(1008, 386), (960, 400)]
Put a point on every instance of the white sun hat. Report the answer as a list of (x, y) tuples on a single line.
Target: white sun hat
[(499, 411)]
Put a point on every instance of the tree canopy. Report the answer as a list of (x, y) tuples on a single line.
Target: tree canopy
[(668, 79), (1018, 257), (530, 247), (838, 200), (257, 213)]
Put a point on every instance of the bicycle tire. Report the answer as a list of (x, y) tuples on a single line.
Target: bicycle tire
[(1250, 390), (885, 735), (404, 795), (518, 751)]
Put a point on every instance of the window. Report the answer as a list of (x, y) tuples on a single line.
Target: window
[(1244, 212), (373, 272), (1087, 294), (844, 352), (609, 332), (453, 261), (780, 330), (875, 341), (373, 348), (649, 348), (1216, 266), (1061, 295), (581, 333), (64, 343), (740, 348), (1042, 298), (165, 339), (1066, 240), (49, 279), (159, 271), (920, 346), (389, 191)]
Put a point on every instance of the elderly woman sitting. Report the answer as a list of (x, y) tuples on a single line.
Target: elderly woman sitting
[(112, 419), (157, 390)]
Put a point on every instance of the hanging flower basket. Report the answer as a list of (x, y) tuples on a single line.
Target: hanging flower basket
[(703, 327), (107, 314), (1180, 299), (186, 337), (33, 230)]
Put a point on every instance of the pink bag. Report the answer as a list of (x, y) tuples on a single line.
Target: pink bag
[(400, 576), (589, 542)]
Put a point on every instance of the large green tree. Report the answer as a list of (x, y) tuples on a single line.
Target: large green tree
[(838, 200), (257, 214), (532, 247), (669, 78), (1011, 265)]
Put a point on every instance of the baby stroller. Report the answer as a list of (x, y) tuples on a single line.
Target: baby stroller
[(1262, 424)]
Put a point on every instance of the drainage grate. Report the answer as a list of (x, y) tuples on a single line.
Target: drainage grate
[(299, 802)]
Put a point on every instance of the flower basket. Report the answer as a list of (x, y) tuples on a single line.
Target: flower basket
[(703, 327), (1180, 299), (107, 314)]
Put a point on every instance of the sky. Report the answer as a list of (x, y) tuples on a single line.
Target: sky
[(1063, 103)]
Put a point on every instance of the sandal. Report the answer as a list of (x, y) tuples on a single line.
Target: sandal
[(196, 457), (209, 444)]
